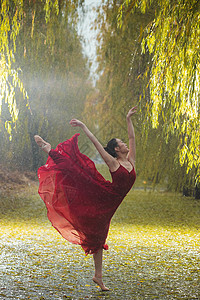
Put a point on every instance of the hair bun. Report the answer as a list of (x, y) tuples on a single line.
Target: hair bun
[(110, 148)]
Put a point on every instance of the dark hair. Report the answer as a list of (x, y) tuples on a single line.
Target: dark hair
[(110, 148)]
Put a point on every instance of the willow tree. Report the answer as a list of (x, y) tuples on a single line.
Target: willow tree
[(120, 86), (9, 77), (54, 72), (173, 40), (14, 16)]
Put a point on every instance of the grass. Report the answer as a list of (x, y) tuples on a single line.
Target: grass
[(153, 251)]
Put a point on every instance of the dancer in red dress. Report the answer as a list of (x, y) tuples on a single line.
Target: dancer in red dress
[(80, 202)]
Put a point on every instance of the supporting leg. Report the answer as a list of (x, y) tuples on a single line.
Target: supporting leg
[(98, 258)]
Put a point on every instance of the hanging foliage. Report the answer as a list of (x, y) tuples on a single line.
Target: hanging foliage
[(11, 17), (14, 14), (173, 40), (55, 75)]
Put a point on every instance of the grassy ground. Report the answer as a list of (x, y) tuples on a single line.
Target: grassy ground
[(153, 250)]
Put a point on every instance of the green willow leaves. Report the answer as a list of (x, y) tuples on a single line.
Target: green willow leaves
[(15, 16), (11, 18), (54, 73), (173, 40)]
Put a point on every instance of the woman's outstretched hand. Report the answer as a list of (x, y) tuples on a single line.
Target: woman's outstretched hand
[(131, 112), (75, 123)]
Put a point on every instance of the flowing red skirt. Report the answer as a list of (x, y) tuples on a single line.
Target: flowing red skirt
[(80, 202)]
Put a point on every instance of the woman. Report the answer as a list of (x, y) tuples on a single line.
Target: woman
[(80, 202)]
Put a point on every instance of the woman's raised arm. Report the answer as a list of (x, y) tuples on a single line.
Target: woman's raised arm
[(109, 160), (131, 136)]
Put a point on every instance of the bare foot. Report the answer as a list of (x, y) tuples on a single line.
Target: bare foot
[(100, 283), (42, 144)]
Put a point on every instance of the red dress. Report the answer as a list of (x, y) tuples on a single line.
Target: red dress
[(80, 202)]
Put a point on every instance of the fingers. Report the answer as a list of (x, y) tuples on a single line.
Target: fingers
[(134, 108), (73, 122)]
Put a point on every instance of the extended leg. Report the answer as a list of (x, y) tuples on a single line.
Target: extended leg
[(46, 147), (98, 257), (59, 159)]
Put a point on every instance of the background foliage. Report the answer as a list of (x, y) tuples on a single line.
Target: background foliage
[(148, 55), (172, 39), (55, 75)]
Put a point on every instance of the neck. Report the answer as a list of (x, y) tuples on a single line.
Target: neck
[(122, 157)]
